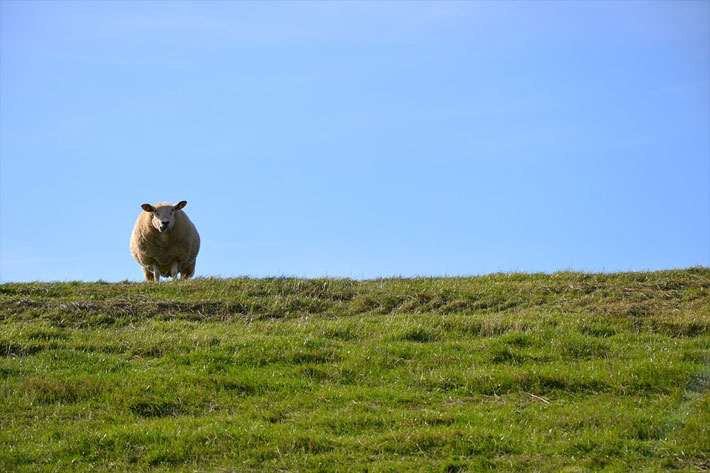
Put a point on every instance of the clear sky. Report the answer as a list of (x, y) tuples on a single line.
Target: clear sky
[(356, 139)]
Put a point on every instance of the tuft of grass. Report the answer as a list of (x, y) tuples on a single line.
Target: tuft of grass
[(505, 372)]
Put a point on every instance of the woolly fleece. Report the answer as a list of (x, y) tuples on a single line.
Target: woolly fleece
[(181, 243)]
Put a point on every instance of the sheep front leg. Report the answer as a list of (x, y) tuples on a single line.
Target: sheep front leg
[(187, 270), (148, 273), (174, 270), (156, 272)]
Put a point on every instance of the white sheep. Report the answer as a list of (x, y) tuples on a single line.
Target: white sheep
[(165, 242)]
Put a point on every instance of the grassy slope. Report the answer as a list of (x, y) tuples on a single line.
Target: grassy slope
[(508, 372)]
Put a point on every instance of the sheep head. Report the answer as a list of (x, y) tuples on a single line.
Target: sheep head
[(163, 215)]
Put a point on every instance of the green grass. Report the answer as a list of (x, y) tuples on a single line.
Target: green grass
[(508, 372)]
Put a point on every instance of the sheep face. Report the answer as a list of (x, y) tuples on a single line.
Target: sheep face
[(164, 216)]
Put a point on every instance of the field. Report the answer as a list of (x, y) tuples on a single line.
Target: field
[(508, 372)]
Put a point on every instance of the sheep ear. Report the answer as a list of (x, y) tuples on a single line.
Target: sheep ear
[(148, 208), (180, 204)]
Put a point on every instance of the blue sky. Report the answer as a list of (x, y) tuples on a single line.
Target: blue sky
[(356, 139)]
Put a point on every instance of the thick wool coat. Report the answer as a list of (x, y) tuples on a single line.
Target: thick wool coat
[(151, 247)]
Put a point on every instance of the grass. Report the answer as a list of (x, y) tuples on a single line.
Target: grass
[(508, 372)]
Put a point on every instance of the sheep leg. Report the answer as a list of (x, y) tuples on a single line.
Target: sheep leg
[(147, 273), (156, 272), (174, 270), (187, 271)]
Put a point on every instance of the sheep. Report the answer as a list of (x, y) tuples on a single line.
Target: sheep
[(164, 241)]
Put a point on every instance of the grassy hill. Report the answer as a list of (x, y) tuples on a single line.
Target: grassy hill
[(508, 372)]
